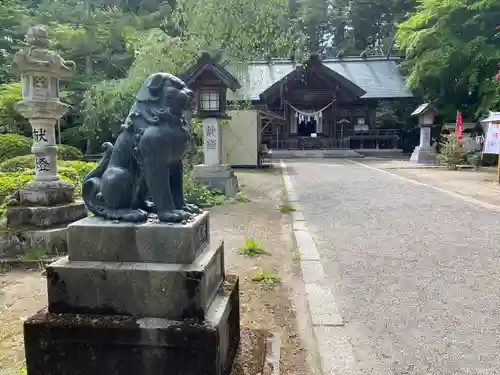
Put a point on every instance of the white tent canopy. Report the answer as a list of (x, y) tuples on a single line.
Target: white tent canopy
[(492, 117)]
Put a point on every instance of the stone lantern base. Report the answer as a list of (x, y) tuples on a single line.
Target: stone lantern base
[(218, 177), (45, 204), (423, 155), (46, 193)]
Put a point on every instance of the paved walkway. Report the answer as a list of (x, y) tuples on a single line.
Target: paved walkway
[(415, 271)]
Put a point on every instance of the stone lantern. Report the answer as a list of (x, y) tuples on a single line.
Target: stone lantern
[(423, 152), (40, 70), (209, 81)]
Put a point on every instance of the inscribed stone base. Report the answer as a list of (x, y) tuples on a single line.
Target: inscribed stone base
[(45, 216), (423, 155), (219, 177), (63, 344), (46, 193), (156, 290), (97, 239)]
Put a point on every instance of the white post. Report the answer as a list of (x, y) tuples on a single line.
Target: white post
[(212, 141), (425, 136), (45, 149)]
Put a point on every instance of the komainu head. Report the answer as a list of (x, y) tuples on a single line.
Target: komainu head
[(165, 91)]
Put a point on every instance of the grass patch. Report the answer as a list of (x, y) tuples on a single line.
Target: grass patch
[(35, 254), (296, 256), (266, 278), (22, 370), (241, 197), (286, 207), (284, 192), (251, 247)]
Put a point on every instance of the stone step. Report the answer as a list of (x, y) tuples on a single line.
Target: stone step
[(308, 154), (158, 290), (97, 239)]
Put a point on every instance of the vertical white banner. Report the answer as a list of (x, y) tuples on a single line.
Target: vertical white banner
[(492, 143)]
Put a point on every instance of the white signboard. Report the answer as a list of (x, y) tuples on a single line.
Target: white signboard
[(492, 143)]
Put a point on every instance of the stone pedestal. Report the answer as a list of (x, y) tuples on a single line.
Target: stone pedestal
[(219, 177), (147, 298), (423, 153), (44, 204), (212, 173)]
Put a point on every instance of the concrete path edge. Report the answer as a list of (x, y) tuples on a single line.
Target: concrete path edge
[(335, 350)]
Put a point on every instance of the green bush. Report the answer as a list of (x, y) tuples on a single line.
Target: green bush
[(18, 163), (75, 137), (452, 151), (15, 172), (199, 194), (81, 167), (12, 145), (67, 152), (21, 163), (10, 119), (69, 174), (10, 182)]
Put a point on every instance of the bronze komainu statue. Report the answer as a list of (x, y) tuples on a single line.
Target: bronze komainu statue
[(141, 173)]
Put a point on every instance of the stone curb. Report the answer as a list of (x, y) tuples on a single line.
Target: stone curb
[(334, 347), (22, 264), (273, 355)]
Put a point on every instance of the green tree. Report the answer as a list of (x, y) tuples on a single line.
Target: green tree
[(243, 29), (452, 50), (107, 103), (14, 19)]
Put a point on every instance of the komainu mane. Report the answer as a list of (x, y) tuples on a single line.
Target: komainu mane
[(141, 173)]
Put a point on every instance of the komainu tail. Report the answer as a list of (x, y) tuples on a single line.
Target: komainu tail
[(98, 171), (92, 183)]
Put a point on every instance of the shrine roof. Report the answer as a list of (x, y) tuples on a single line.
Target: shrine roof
[(377, 76)]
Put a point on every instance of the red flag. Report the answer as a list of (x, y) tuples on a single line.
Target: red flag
[(459, 127)]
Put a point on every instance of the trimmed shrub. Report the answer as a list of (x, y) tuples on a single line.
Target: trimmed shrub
[(81, 167), (11, 182), (15, 172), (18, 163), (12, 145), (67, 152), (69, 174), (22, 163)]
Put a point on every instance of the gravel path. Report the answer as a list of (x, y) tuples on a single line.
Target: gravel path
[(415, 271)]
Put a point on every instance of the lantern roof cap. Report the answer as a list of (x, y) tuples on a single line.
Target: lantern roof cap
[(36, 57)]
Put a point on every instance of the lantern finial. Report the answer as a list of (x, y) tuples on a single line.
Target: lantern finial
[(37, 57)]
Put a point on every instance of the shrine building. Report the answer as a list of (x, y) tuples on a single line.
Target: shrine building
[(288, 106)]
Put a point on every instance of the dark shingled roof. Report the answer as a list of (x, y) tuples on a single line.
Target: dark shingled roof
[(206, 62), (378, 76), (423, 108)]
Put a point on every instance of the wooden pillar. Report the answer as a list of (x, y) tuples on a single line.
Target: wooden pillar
[(334, 120)]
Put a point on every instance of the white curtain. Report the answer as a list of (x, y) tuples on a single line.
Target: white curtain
[(307, 115), (293, 123)]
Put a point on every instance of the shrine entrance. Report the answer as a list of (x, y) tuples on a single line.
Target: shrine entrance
[(306, 127)]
